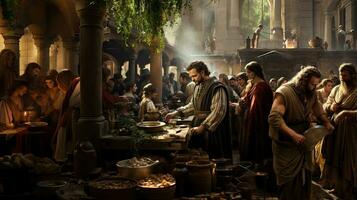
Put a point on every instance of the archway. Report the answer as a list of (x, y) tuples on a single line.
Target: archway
[(254, 13), (28, 51)]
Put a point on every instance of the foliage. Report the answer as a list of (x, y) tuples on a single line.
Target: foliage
[(143, 21), (8, 10), (137, 21), (128, 124), (252, 17)]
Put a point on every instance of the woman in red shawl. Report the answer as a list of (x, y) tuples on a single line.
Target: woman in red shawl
[(255, 144)]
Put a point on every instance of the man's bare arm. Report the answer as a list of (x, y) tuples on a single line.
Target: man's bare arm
[(277, 111)]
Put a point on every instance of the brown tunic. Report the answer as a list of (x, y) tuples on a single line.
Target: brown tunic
[(340, 148), (292, 166)]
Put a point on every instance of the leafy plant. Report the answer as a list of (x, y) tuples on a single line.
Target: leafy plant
[(143, 21)]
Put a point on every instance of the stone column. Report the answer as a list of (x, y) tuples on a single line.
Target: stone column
[(132, 67), (70, 54), (43, 48), (328, 29), (277, 30), (91, 123), (354, 23), (156, 72), (234, 20), (11, 42)]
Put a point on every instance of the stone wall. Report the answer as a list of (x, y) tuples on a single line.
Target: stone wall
[(286, 62)]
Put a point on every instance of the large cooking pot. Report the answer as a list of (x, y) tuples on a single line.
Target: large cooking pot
[(151, 188), (135, 172), (112, 189)]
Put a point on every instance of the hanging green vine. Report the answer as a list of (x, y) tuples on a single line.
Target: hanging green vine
[(136, 21), (142, 21)]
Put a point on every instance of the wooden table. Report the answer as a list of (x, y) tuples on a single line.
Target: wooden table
[(26, 140), (172, 140)]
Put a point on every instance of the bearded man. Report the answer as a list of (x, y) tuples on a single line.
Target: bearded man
[(340, 148), (288, 120), (209, 105)]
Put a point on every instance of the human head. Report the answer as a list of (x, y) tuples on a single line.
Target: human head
[(233, 81), (281, 81), (50, 82), (254, 69), (149, 90), (19, 88), (198, 71), (326, 84), (64, 79), (273, 83), (242, 79), (33, 70), (307, 80), (184, 78), (130, 87), (7, 59), (223, 78), (348, 74)]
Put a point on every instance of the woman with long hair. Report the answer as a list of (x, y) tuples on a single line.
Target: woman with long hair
[(8, 70), (255, 144), (12, 107)]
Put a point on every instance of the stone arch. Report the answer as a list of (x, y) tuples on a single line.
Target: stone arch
[(50, 17), (28, 51), (2, 44)]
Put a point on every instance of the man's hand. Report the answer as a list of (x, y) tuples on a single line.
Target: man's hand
[(329, 126), (169, 116), (198, 130), (298, 139), (334, 107)]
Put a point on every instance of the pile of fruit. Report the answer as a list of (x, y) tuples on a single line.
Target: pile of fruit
[(35, 164), (112, 184), (157, 181)]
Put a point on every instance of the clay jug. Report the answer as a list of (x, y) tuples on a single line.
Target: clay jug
[(180, 174), (85, 159), (201, 177)]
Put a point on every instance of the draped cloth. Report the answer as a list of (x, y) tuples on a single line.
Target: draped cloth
[(209, 105), (340, 148), (254, 141), (292, 166), (64, 132), (6, 117), (148, 111)]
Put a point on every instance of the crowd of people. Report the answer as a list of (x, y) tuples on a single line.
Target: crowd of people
[(264, 120)]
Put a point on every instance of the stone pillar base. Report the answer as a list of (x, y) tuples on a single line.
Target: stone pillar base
[(91, 128)]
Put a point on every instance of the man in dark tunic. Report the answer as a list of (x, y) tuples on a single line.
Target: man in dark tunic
[(288, 120), (209, 105)]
